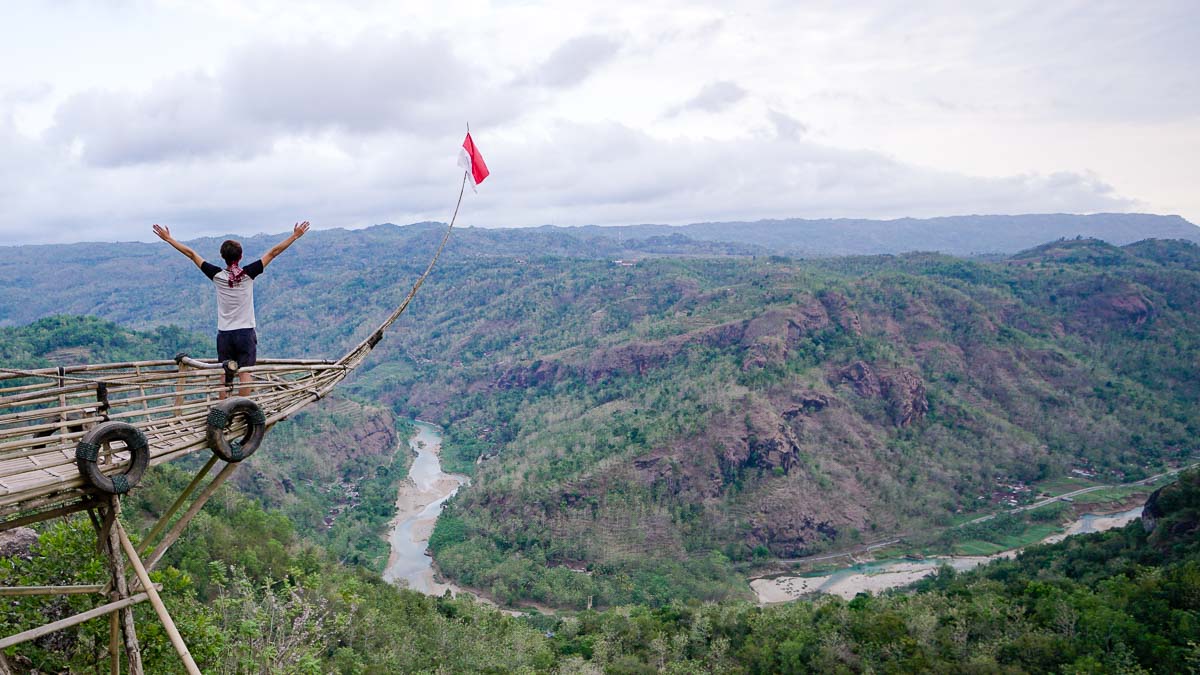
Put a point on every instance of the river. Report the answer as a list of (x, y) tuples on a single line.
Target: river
[(427, 488), (882, 575), (418, 504)]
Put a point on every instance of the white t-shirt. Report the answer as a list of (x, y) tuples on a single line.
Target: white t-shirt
[(235, 303)]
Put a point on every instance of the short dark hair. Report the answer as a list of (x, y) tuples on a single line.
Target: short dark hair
[(231, 251)]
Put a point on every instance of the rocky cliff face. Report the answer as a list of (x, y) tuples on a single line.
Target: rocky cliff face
[(839, 310), (763, 440), (901, 388), (765, 339), (779, 441), (905, 392)]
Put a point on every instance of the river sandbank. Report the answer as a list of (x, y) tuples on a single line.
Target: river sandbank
[(418, 503), (881, 576)]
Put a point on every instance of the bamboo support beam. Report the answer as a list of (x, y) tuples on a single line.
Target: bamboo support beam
[(51, 590), (46, 515), (180, 380), (166, 517), (156, 602), (116, 568), (114, 640), (186, 518), (34, 633)]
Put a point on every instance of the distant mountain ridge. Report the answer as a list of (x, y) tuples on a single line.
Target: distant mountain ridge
[(957, 235), (94, 278)]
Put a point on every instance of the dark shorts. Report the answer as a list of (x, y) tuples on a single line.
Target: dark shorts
[(239, 345)]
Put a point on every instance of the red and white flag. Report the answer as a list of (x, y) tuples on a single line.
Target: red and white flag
[(472, 162)]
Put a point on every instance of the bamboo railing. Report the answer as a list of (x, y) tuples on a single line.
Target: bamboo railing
[(44, 413)]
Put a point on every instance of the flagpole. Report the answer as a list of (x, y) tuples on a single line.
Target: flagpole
[(358, 353)]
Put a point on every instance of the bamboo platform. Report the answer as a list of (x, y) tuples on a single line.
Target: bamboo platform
[(50, 469), (44, 413)]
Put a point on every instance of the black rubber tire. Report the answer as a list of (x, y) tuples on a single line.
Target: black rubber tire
[(88, 449), (220, 418)]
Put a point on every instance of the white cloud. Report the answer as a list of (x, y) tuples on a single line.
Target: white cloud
[(183, 118), (574, 60), (714, 97), (235, 116), (785, 125), (377, 82), (610, 174), (267, 92)]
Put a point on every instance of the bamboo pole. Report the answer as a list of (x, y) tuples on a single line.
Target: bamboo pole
[(133, 652), (114, 619), (186, 518), (25, 415), (179, 382), (51, 590), (45, 515), (114, 639), (162, 522), (156, 602), (46, 629), (33, 396), (20, 448)]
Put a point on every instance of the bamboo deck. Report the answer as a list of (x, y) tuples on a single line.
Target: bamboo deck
[(44, 413)]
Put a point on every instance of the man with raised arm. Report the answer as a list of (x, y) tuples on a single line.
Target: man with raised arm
[(236, 339)]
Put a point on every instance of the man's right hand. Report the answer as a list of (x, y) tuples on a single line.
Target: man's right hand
[(165, 234)]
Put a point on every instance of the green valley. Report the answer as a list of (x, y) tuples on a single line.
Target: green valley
[(645, 433)]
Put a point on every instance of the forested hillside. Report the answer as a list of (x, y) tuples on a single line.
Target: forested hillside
[(652, 424), (635, 430), (264, 601), (374, 260)]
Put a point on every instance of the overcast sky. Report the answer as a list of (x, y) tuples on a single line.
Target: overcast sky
[(229, 116)]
